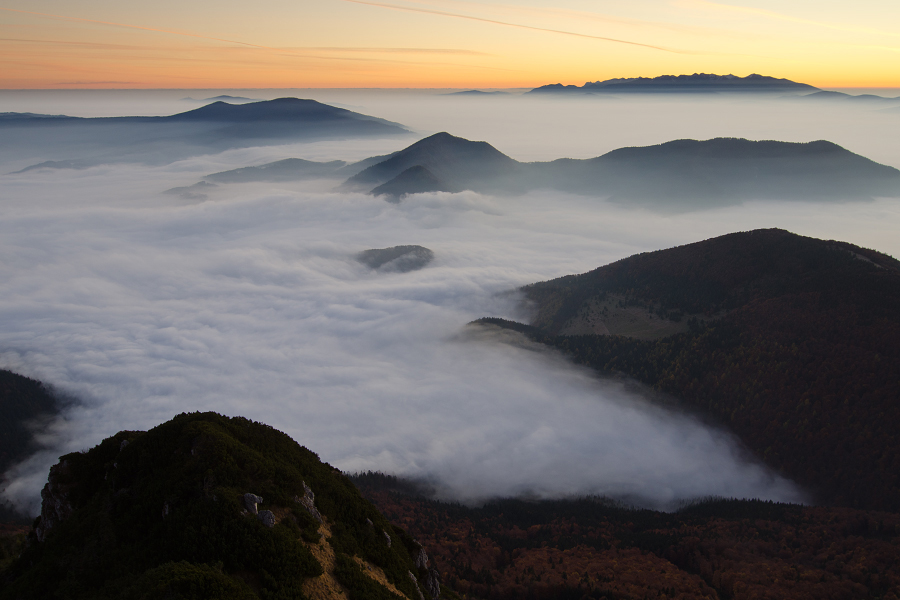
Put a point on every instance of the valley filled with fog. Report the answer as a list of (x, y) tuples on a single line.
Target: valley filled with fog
[(138, 305)]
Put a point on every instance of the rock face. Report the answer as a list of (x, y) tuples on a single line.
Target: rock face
[(387, 538), (308, 501), (433, 583), (416, 583), (267, 518), (56, 506), (401, 259), (421, 558), (250, 502), (432, 579)]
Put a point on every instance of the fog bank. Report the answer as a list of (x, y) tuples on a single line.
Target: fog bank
[(252, 304)]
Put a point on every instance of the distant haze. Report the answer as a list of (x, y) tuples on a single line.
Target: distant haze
[(253, 303)]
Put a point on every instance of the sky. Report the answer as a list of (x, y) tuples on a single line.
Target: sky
[(440, 43)]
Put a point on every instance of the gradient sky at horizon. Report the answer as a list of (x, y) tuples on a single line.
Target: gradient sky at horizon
[(440, 43)]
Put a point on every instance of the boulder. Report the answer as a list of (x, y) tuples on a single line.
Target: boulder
[(250, 502)]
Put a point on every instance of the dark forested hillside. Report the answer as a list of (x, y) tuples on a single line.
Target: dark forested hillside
[(592, 549), (206, 506), (792, 342), (23, 402)]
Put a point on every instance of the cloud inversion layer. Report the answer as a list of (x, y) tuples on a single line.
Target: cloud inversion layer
[(253, 304)]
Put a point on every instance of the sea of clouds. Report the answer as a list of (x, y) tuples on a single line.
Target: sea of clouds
[(141, 305)]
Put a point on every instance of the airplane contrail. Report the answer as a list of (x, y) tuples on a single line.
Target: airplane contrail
[(519, 26)]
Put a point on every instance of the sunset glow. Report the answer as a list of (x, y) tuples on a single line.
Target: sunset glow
[(440, 43)]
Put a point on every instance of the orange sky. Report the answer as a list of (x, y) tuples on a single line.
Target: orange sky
[(440, 43)]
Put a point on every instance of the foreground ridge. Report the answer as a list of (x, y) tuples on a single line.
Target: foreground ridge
[(206, 506)]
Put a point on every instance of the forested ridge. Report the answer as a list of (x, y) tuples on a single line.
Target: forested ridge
[(22, 402), (794, 344), (165, 514), (25, 403)]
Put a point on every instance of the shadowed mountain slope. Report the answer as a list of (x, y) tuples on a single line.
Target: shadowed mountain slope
[(698, 83), (289, 169), (455, 161), (792, 342), (24, 404), (206, 506), (693, 173), (414, 180)]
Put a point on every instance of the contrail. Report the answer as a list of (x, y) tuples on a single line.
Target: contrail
[(517, 25)]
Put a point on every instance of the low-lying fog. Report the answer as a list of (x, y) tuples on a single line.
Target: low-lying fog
[(251, 303)]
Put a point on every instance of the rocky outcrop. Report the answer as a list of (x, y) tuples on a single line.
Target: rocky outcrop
[(56, 505), (420, 558), (308, 501), (433, 583), (416, 583), (250, 502), (432, 580), (387, 538), (267, 517)]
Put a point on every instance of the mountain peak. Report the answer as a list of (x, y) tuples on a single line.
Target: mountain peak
[(454, 161)]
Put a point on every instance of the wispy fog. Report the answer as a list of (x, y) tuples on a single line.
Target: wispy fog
[(251, 303)]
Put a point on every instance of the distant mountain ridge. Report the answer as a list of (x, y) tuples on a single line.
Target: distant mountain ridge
[(280, 110), (700, 83), (289, 169), (680, 174), (677, 175), (211, 128)]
